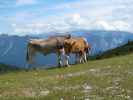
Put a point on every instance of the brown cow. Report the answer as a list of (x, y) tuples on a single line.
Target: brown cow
[(78, 46)]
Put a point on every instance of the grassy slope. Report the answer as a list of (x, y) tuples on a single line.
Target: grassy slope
[(122, 50), (107, 79)]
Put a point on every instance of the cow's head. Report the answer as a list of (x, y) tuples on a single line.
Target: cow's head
[(69, 42)]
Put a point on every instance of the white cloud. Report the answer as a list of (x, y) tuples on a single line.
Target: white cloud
[(117, 25), (76, 17), (103, 25), (71, 22), (121, 25), (85, 14)]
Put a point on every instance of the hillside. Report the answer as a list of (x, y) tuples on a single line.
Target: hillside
[(107, 79), (6, 68), (121, 50)]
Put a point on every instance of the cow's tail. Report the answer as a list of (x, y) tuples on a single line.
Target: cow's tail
[(87, 47), (27, 53)]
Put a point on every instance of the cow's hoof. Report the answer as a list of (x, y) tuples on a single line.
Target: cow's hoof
[(27, 70), (67, 66), (59, 66)]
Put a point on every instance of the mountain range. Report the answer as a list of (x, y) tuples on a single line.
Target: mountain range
[(13, 47)]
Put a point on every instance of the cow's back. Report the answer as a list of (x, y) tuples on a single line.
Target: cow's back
[(49, 45), (76, 45)]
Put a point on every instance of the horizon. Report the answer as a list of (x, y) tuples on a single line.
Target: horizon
[(73, 33)]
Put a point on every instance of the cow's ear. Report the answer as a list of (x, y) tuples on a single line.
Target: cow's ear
[(65, 41)]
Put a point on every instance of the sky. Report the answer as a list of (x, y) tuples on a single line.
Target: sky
[(22, 17)]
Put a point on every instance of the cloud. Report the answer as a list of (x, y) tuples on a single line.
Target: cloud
[(25, 2), (103, 25), (63, 17), (122, 26), (117, 25), (70, 22)]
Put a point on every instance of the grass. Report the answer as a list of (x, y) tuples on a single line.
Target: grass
[(119, 51), (106, 79)]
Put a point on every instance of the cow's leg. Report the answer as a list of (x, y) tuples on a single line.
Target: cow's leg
[(59, 60), (62, 59), (31, 54), (85, 57), (66, 60), (77, 58), (87, 53), (80, 59)]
